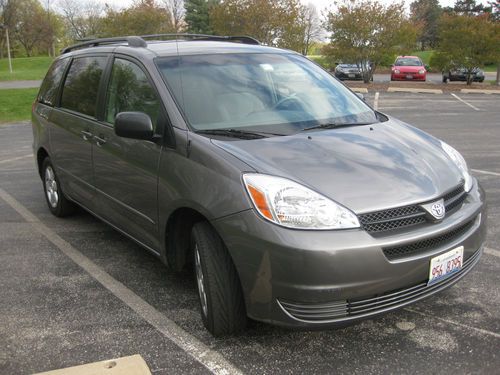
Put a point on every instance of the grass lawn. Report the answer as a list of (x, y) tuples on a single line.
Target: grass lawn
[(24, 68), (15, 104)]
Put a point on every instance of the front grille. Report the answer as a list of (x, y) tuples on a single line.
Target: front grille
[(406, 216), (345, 310), (431, 243)]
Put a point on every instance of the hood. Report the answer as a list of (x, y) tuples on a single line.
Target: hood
[(365, 168), (409, 69)]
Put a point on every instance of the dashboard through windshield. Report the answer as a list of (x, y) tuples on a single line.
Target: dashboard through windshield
[(278, 93)]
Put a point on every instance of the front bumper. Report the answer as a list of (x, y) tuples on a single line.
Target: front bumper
[(408, 76), (348, 76), (325, 278)]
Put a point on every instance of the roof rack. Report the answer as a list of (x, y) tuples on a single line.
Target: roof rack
[(140, 41)]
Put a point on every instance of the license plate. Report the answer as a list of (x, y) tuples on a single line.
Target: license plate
[(445, 265), (409, 76), (351, 75)]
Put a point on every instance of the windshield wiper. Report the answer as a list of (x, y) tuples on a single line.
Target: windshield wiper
[(333, 125), (236, 133)]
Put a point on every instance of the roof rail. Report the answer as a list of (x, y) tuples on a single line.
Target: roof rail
[(239, 38), (140, 41), (132, 41)]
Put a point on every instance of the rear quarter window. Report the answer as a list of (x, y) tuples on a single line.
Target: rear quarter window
[(50, 85), (82, 84)]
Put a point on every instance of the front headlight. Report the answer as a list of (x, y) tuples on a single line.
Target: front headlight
[(292, 205), (421, 71), (396, 71), (458, 159)]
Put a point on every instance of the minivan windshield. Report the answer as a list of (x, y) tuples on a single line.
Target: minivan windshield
[(271, 93)]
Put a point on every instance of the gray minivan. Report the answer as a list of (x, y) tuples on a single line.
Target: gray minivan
[(295, 202)]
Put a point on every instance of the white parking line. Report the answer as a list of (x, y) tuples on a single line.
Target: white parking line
[(16, 158), (463, 101), (211, 359), (478, 330), (493, 252), (375, 102), (485, 172)]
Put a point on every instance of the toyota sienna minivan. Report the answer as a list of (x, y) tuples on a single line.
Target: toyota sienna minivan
[(294, 201)]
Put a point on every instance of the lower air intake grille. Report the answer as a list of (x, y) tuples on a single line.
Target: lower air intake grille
[(412, 248)]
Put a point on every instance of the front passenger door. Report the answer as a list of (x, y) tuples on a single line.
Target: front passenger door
[(126, 169)]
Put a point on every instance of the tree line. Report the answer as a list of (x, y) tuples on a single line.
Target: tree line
[(362, 31)]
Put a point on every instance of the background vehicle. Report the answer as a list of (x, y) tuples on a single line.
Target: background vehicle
[(408, 68), (348, 71), (460, 74), (251, 163)]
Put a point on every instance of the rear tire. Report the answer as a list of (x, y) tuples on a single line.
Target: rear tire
[(57, 202), (221, 298)]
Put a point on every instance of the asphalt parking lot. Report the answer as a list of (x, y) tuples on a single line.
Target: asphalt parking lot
[(75, 291)]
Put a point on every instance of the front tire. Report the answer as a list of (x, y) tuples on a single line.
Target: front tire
[(221, 298), (57, 202)]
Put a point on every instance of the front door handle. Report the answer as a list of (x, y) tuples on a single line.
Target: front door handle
[(99, 141), (86, 135)]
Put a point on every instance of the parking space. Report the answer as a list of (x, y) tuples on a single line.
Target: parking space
[(76, 291)]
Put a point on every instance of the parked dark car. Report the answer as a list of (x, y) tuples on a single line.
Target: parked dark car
[(296, 203), (348, 71), (460, 74)]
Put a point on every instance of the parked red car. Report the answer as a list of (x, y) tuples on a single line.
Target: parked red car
[(409, 68)]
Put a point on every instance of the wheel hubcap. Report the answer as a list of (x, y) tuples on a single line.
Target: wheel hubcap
[(199, 280), (51, 187)]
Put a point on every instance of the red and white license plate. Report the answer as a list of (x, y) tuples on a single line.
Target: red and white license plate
[(445, 265)]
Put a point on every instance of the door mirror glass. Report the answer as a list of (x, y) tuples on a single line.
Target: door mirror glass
[(135, 125)]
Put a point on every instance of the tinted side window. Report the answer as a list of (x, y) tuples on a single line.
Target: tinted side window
[(130, 90), (82, 84), (48, 90)]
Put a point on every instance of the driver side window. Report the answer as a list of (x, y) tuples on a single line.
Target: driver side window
[(129, 90)]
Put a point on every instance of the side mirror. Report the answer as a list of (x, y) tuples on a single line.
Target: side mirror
[(361, 96), (135, 125)]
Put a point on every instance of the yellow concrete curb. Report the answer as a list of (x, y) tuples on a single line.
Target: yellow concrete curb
[(360, 89), (479, 91), (406, 89), (131, 365)]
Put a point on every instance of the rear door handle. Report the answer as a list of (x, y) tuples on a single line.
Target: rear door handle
[(86, 135), (99, 141)]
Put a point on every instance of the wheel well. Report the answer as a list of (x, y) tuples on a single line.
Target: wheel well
[(178, 236), (40, 157)]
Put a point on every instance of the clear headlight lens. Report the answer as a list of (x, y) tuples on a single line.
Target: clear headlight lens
[(292, 205), (396, 71), (421, 71), (458, 159)]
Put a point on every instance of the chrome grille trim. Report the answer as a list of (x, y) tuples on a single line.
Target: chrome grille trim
[(400, 217)]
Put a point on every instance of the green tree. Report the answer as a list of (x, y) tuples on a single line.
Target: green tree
[(142, 18), (369, 34), (29, 25), (281, 23), (197, 16), (426, 13), (467, 42)]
